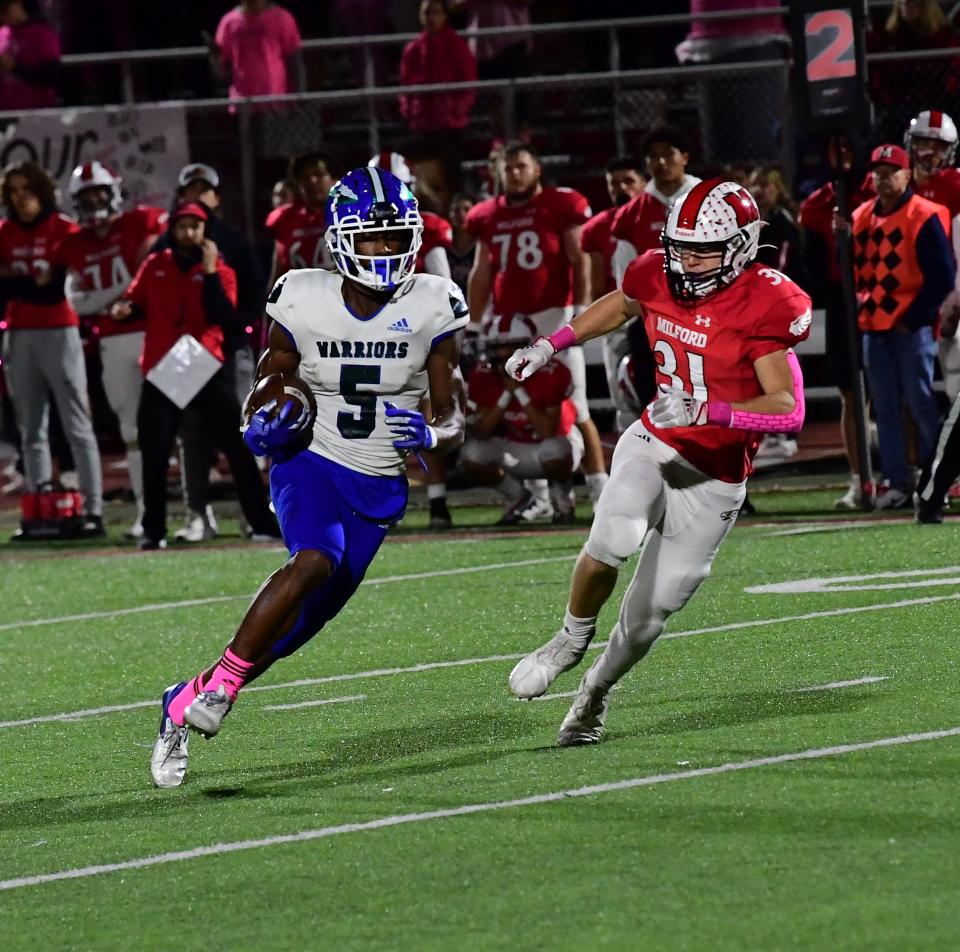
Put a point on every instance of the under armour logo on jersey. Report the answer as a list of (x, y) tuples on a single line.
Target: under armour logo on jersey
[(401, 326), (702, 320), (799, 324)]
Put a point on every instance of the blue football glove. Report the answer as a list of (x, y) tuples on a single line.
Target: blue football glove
[(411, 429), (265, 434)]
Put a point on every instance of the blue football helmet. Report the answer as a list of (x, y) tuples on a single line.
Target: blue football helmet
[(370, 202)]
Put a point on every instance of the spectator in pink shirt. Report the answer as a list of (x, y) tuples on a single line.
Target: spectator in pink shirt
[(439, 55), (29, 57), (258, 48)]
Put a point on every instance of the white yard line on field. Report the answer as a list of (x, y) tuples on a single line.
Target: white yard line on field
[(833, 527), (193, 602), (319, 702), (833, 685), (463, 662), (304, 836)]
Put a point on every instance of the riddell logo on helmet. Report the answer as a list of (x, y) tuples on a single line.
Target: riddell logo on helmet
[(685, 233)]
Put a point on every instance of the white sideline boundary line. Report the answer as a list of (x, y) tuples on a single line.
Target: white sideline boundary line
[(215, 599), (316, 703), (219, 849), (464, 662), (833, 685)]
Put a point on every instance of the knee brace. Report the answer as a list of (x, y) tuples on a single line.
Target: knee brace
[(614, 537)]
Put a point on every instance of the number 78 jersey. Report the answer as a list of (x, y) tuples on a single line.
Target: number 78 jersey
[(354, 364), (708, 349), (531, 270)]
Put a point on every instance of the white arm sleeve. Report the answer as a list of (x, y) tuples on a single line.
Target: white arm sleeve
[(623, 254), (435, 262), (87, 302)]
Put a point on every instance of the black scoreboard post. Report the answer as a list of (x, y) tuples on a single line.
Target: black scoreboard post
[(830, 98)]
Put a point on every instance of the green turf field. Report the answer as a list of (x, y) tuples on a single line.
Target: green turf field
[(849, 847)]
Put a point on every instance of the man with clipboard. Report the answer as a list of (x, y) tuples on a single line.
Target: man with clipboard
[(187, 294)]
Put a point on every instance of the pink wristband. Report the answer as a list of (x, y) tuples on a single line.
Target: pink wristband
[(719, 413), (563, 338)]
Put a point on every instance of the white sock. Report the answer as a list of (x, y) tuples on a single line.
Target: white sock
[(135, 474), (583, 629), (436, 491)]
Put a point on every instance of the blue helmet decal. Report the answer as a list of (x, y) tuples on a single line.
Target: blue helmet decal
[(369, 203)]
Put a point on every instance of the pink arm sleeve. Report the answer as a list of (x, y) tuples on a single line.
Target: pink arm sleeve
[(722, 414)]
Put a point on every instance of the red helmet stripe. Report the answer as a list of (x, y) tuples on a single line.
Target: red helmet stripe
[(936, 119), (87, 171), (693, 202), (385, 162)]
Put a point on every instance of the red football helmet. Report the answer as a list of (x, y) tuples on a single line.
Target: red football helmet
[(713, 218), (934, 125)]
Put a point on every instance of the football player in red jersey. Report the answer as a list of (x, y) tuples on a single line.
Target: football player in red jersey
[(298, 228), (101, 260), (529, 262), (931, 140), (42, 352), (637, 225), (721, 329), (625, 182)]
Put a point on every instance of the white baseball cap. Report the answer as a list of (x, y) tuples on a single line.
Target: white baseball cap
[(197, 170)]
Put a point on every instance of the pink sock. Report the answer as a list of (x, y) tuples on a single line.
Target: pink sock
[(232, 672), (180, 703)]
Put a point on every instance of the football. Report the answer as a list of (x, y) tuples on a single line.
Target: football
[(280, 387)]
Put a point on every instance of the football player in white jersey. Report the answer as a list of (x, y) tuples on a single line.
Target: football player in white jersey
[(370, 339)]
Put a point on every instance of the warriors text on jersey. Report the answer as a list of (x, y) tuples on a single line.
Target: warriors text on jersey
[(354, 364), (110, 262), (298, 232), (530, 265), (708, 349)]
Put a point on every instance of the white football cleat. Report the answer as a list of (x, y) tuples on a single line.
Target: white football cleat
[(538, 670), (168, 764), (199, 527), (584, 721), (206, 713)]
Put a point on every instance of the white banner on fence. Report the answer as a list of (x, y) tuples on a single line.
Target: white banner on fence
[(147, 147)]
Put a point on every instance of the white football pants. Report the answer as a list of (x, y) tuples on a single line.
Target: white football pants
[(655, 499)]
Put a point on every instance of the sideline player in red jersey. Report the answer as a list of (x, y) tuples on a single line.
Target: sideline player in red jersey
[(637, 226), (625, 182), (101, 260), (721, 329), (298, 228), (42, 351), (529, 262), (931, 140)]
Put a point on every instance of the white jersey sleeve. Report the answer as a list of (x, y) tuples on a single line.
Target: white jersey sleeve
[(354, 364)]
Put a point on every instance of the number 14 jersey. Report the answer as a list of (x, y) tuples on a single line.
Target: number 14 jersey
[(708, 348), (354, 364)]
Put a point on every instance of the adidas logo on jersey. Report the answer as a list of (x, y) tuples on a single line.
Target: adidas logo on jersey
[(401, 326)]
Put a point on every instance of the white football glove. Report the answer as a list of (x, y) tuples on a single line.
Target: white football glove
[(526, 361), (676, 408)]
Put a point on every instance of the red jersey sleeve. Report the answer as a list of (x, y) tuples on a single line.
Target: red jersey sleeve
[(152, 220), (572, 208), (272, 222), (228, 278), (138, 289), (784, 320), (594, 236), (478, 219), (641, 279), (437, 233), (625, 219)]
